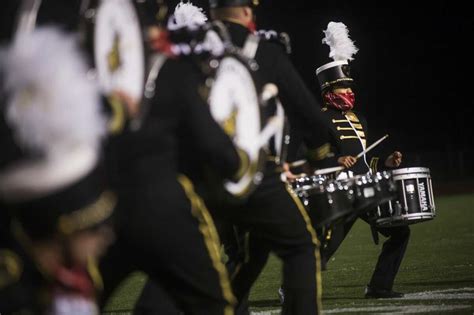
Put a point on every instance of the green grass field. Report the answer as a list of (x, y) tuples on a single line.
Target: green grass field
[(437, 272)]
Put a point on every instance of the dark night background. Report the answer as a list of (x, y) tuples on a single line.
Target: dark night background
[(413, 71)]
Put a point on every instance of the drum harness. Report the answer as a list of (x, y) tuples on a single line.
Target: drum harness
[(158, 60), (281, 139)]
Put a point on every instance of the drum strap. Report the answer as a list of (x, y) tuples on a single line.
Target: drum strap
[(26, 20), (158, 60), (251, 45), (281, 140)]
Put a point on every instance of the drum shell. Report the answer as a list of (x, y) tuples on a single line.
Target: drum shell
[(328, 204), (414, 202), (371, 190)]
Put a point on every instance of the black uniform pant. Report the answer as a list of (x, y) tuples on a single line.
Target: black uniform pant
[(275, 221), (389, 259), (272, 219), (168, 233)]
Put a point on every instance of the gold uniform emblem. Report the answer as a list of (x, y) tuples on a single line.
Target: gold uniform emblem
[(11, 268)]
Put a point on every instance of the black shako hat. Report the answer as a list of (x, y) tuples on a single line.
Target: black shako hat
[(82, 205), (215, 4), (336, 73)]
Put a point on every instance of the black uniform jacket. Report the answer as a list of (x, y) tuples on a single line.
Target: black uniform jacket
[(178, 118), (348, 132), (302, 109)]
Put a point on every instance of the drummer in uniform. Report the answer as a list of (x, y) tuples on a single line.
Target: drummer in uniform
[(348, 133), (273, 216), (52, 187), (164, 228)]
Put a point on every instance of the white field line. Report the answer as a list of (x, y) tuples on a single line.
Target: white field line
[(271, 312), (447, 294), (394, 309), (390, 309)]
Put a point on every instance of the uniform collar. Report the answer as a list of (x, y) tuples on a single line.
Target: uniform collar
[(238, 32)]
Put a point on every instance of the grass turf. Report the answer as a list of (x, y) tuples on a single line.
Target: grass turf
[(440, 256)]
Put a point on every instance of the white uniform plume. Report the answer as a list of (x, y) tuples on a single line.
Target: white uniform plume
[(337, 38), (52, 108), (186, 15)]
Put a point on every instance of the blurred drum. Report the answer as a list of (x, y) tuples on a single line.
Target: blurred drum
[(371, 190), (235, 104), (114, 35), (414, 202), (327, 200)]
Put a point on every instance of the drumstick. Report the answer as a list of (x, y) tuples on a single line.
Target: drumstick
[(373, 145), (297, 163), (340, 168), (328, 170)]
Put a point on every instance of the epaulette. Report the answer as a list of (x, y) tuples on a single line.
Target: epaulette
[(11, 268), (282, 39)]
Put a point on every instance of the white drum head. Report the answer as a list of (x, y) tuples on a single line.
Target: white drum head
[(119, 48), (234, 104), (411, 170)]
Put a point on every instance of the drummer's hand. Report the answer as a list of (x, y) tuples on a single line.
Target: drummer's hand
[(394, 160), (129, 103), (347, 161), (288, 174)]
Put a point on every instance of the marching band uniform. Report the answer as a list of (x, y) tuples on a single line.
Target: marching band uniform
[(164, 227), (346, 143), (52, 188), (273, 215), (348, 134)]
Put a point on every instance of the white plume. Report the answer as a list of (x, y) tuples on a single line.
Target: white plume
[(337, 38), (186, 15), (52, 105)]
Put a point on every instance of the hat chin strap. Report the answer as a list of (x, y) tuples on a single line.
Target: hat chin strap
[(27, 180)]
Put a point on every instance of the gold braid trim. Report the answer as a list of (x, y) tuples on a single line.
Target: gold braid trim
[(320, 153), (89, 216), (244, 164), (373, 164), (314, 239), (329, 83), (11, 268), (211, 239), (94, 273), (117, 122), (352, 117)]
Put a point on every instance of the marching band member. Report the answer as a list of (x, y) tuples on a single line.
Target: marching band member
[(273, 215), (164, 228), (348, 134), (51, 178)]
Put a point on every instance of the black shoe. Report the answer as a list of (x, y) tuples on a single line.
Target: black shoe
[(372, 293)]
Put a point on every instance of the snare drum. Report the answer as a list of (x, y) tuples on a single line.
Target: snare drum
[(371, 190), (415, 200), (327, 200)]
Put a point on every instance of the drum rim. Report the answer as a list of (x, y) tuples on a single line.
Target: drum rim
[(86, 30), (410, 170), (425, 216), (257, 167)]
